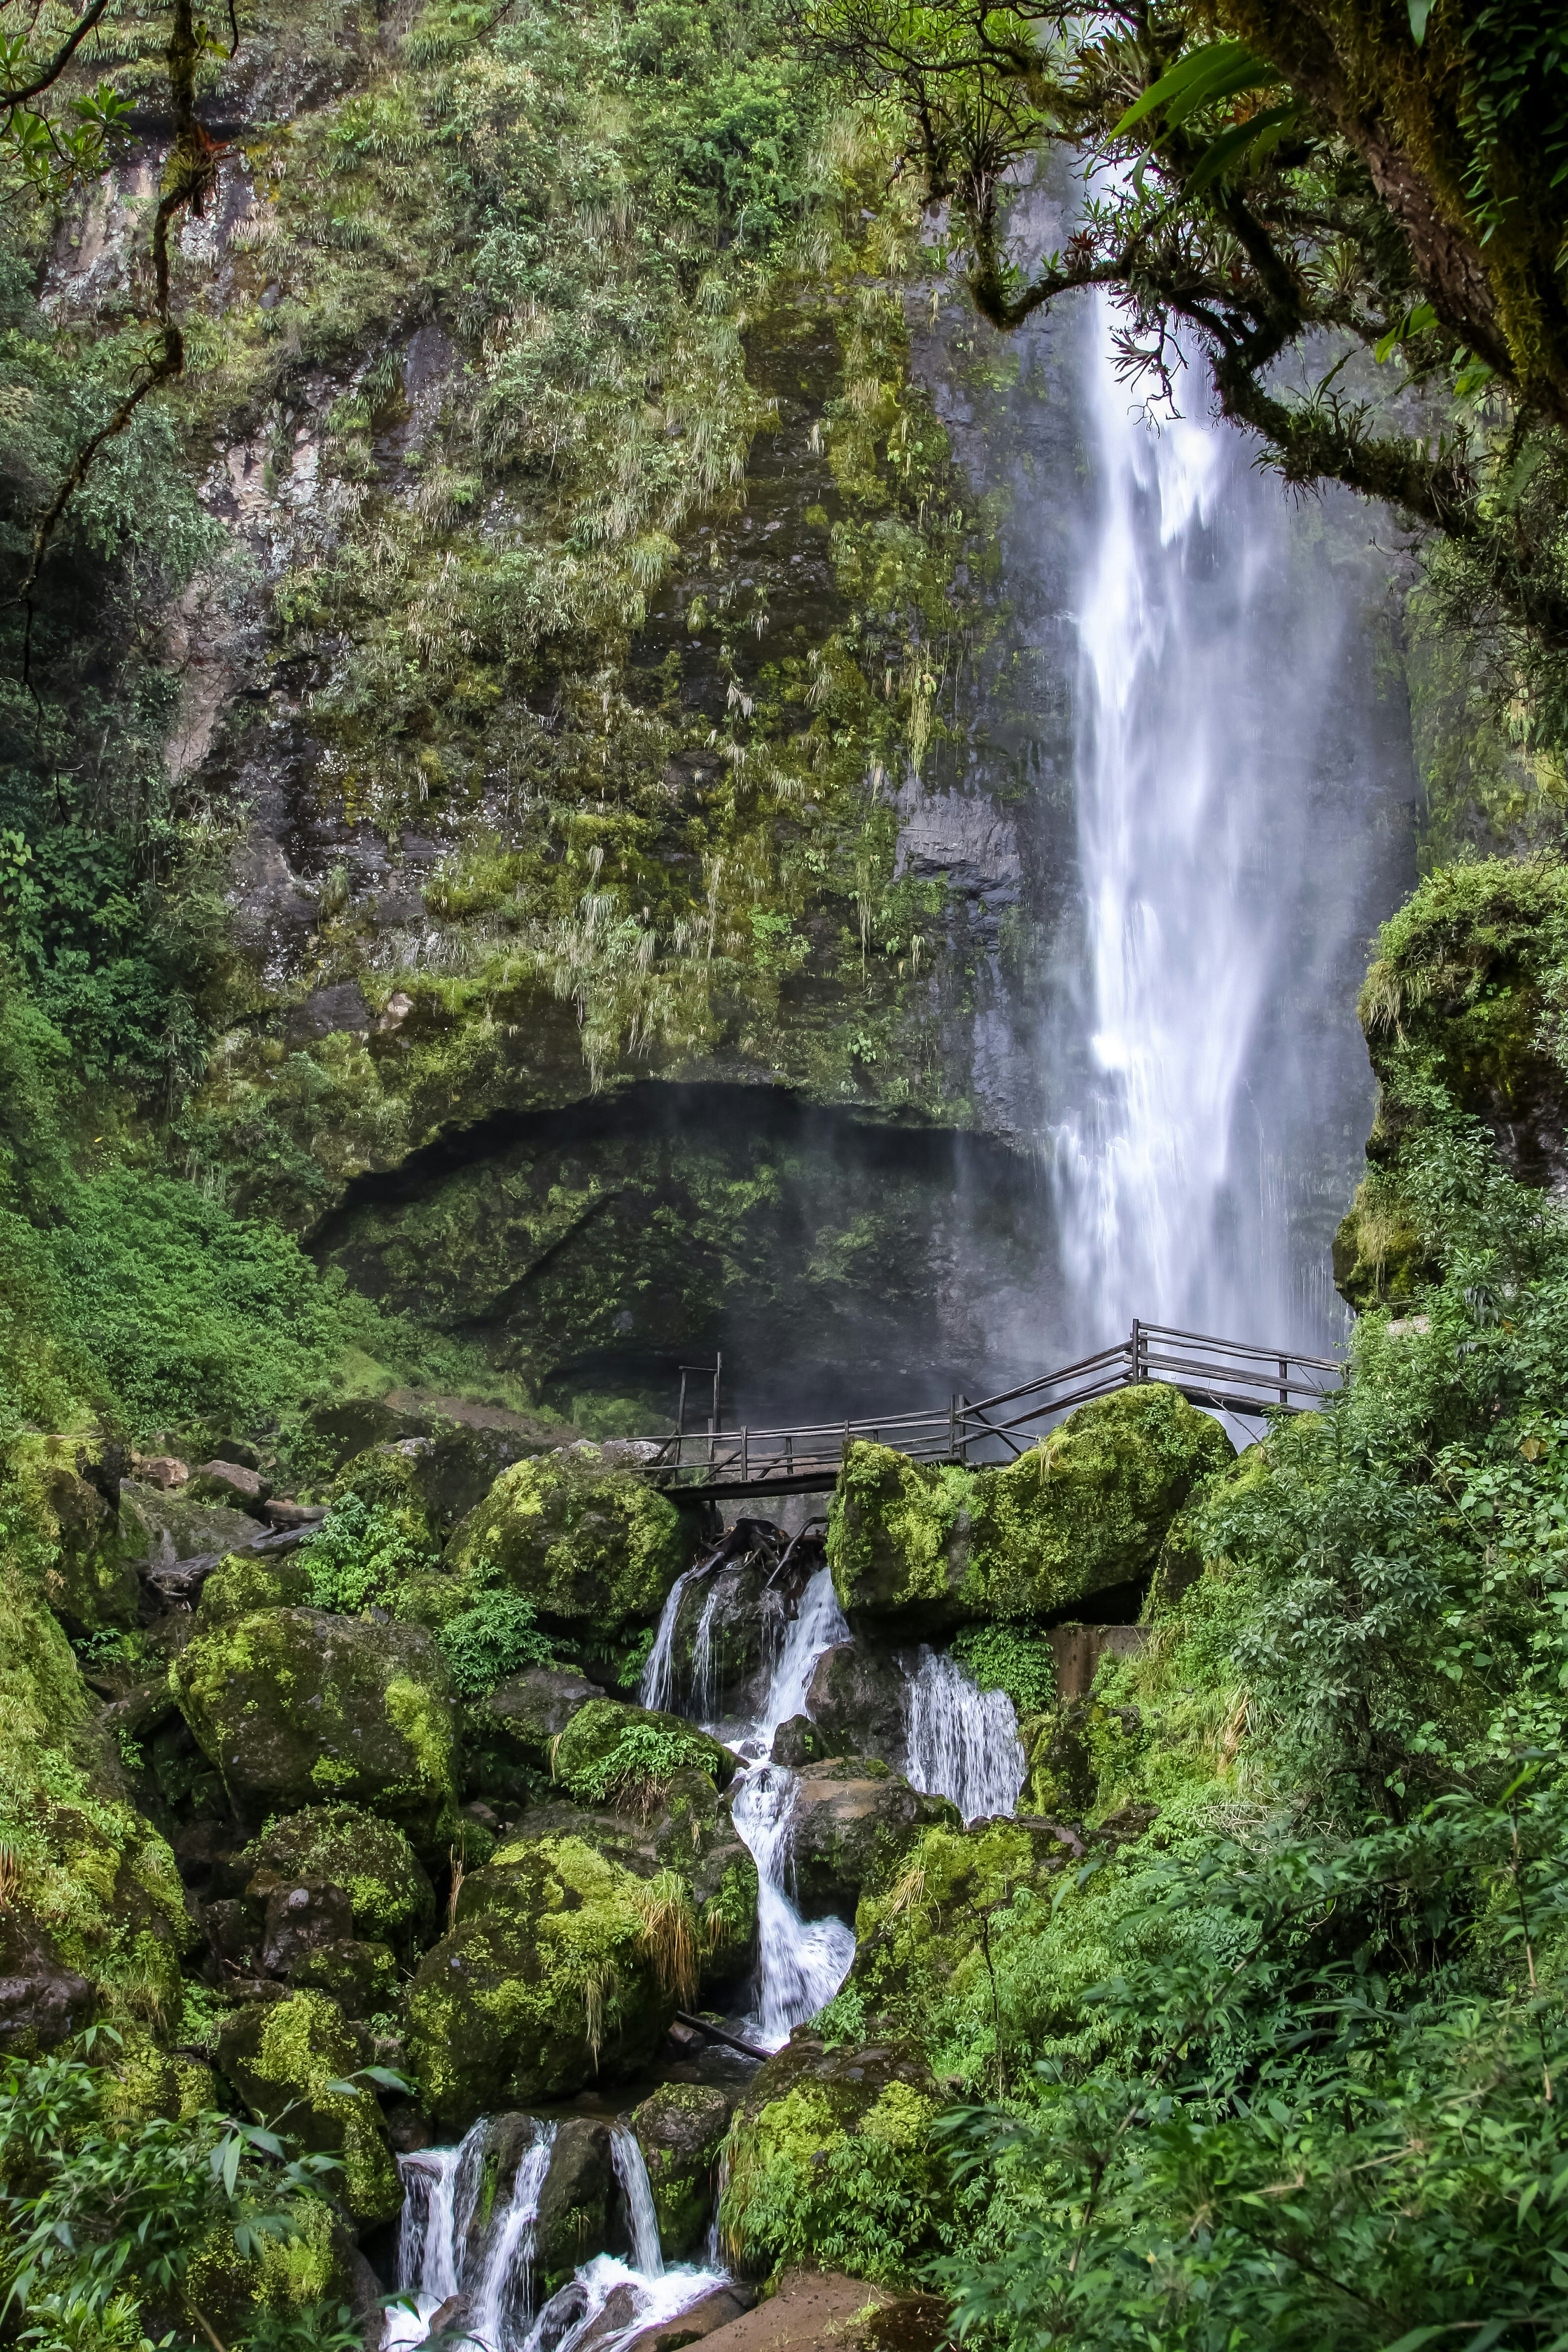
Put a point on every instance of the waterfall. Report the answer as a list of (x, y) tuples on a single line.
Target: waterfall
[(1235, 845), (704, 1683), (631, 2171), (657, 1688), (962, 1741), (800, 1963), (818, 1624), (435, 2259)]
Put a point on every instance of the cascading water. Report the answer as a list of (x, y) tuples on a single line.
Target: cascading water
[(642, 2219), (962, 1741), (657, 1688), (1234, 839), (437, 2258)]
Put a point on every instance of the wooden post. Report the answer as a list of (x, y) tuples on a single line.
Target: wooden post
[(745, 1457), (1137, 1349), (789, 1453), (951, 1423), (1284, 1379)]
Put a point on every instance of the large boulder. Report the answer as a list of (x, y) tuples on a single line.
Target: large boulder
[(917, 1549), (595, 1548), (851, 1825), (832, 2161), (691, 1834), (350, 1425), (289, 2052), (159, 1526), (42, 2001), (510, 1733), (858, 1701), (293, 1706), (551, 1976), (680, 2131), (576, 2202), (726, 1632), (391, 1899)]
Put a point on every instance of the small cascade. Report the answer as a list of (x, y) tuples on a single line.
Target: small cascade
[(504, 2308), (713, 2245), (609, 2288), (818, 1623), (800, 1963), (963, 1742), (704, 1680), (631, 2171), (440, 2189), (657, 1688), (435, 2261)]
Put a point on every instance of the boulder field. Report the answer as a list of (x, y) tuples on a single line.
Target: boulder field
[(365, 1785)]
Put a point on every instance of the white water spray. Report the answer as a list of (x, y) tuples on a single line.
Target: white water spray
[(657, 1688), (962, 1741), (800, 1963)]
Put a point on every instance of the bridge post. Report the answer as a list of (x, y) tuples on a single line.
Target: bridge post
[(746, 1456), (952, 1425), (1138, 1372), (1284, 1379)]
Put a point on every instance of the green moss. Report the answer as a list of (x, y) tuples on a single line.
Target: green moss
[(593, 1549), (392, 1898), (548, 1979), (921, 1548), (831, 2164), (287, 2053), (237, 1587), (631, 1754)]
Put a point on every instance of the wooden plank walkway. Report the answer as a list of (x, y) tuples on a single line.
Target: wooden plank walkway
[(1226, 1375)]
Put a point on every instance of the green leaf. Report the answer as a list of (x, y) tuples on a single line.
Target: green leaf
[(1419, 12), (1232, 145), (1219, 70)]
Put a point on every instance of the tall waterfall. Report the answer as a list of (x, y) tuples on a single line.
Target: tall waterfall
[(1234, 820)]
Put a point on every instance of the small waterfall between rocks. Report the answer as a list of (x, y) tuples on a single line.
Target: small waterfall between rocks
[(962, 1741), (436, 2257), (438, 2261)]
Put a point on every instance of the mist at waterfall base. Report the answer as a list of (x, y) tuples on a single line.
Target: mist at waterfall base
[(1242, 792)]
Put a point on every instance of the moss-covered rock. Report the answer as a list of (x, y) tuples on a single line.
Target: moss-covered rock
[(239, 1586), (69, 1486), (388, 1478), (510, 1735), (630, 1754), (832, 2162), (680, 2131), (285, 2053), (550, 1978), (292, 1706), (577, 2201), (390, 1897), (857, 1701), (920, 1550), (158, 1526), (594, 1549), (850, 1826)]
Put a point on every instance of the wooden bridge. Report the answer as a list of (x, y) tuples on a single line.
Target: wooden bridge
[(1224, 1375)]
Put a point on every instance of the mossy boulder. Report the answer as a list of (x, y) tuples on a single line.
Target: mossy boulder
[(387, 1479), (832, 2162), (240, 1585), (680, 2131), (720, 1642), (858, 1699), (691, 1833), (510, 1734), (550, 1979), (437, 1475), (594, 1548), (158, 1526), (850, 1827), (577, 2201), (609, 1750), (285, 2053), (920, 1965), (391, 1899), (69, 1489), (291, 1706), (919, 1549), (42, 2001)]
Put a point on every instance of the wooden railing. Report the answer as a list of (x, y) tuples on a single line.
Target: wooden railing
[(1226, 1375)]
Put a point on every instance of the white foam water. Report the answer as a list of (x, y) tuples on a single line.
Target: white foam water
[(567, 2317), (435, 2261), (801, 1963), (963, 1742)]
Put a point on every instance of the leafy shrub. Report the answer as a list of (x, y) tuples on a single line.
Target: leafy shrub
[(495, 1637), (1009, 1658), (360, 1558)]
